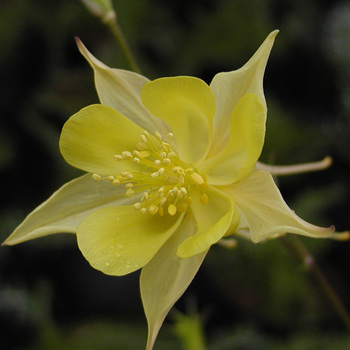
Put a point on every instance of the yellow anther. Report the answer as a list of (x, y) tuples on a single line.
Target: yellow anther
[(127, 155), (166, 161), (129, 193), (178, 170), (144, 196), (173, 191), (161, 171), (162, 155), (110, 177), (144, 132), (155, 174), (158, 135), (171, 154), (136, 160), (157, 162), (130, 176), (162, 201), (129, 185), (153, 209), (172, 209), (183, 190), (143, 210), (196, 178), (96, 177), (137, 205), (115, 182), (118, 157), (141, 146), (143, 154), (204, 199), (170, 136), (160, 191), (143, 138)]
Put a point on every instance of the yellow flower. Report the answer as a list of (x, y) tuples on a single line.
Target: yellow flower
[(172, 169)]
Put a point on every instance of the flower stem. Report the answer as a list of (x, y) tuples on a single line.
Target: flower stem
[(112, 23), (297, 248)]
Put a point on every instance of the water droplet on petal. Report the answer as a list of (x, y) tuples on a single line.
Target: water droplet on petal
[(107, 263), (128, 266)]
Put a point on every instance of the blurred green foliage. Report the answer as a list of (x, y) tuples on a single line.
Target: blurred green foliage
[(252, 297)]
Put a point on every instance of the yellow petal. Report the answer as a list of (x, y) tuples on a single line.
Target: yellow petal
[(266, 213), (166, 277), (246, 141), (187, 105), (91, 137), (229, 87), (121, 90), (213, 221), (120, 240), (67, 207)]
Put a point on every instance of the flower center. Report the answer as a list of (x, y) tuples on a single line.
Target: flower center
[(163, 181)]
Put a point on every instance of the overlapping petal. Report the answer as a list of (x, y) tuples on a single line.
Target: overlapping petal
[(67, 207), (121, 90), (120, 240), (165, 278), (187, 105), (229, 87), (91, 137), (265, 211), (247, 133), (212, 220)]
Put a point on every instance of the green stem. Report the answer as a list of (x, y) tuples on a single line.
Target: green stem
[(297, 248), (112, 23)]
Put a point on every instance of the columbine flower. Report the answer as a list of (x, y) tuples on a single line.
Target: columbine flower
[(172, 169)]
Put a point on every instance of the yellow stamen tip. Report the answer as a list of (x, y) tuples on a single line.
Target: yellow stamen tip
[(153, 209), (143, 154), (96, 177), (172, 209), (196, 178), (118, 157)]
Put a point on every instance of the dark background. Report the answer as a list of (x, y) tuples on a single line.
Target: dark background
[(253, 297)]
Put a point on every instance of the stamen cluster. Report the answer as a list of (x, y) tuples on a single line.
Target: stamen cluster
[(163, 180)]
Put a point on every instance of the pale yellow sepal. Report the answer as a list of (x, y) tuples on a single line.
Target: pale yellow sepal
[(65, 209), (266, 213), (229, 87), (187, 105), (121, 90), (120, 240), (165, 278)]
